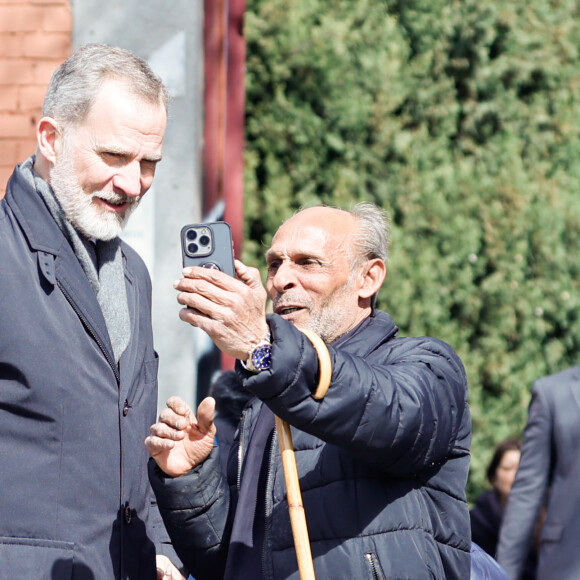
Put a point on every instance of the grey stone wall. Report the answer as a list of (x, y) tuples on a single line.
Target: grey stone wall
[(169, 35)]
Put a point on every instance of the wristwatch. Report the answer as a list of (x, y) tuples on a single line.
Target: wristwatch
[(259, 356)]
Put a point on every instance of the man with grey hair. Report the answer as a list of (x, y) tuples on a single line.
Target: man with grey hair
[(383, 456), (78, 370)]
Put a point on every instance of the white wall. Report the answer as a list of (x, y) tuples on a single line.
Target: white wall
[(169, 35)]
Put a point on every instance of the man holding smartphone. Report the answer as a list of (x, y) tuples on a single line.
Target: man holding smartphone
[(383, 458), (78, 371)]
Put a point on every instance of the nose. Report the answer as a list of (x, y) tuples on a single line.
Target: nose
[(129, 180), (284, 278)]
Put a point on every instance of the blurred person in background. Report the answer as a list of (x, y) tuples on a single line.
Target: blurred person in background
[(547, 484), (230, 399), (487, 514)]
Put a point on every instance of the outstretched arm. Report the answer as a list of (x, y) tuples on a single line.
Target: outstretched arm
[(192, 494)]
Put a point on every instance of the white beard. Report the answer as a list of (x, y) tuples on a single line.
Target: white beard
[(79, 207), (326, 319)]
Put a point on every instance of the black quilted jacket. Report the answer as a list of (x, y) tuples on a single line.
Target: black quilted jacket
[(383, 461)]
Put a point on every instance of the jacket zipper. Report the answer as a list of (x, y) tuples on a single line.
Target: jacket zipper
[(241, 446), (92, 333), (269, 484), (374, 566)]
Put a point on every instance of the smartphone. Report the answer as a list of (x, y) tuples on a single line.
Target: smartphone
[(209, 246)]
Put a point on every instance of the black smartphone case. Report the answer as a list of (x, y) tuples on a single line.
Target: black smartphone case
[(221, 256)]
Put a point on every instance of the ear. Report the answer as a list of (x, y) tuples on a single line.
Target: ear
[(49, 139), (373, 275)]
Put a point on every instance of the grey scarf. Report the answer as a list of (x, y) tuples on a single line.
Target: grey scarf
[(102, 263)]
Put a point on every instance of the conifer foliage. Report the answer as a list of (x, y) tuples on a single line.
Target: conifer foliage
[(462, 118)]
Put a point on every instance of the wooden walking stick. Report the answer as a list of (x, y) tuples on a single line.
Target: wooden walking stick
[(293, 494)]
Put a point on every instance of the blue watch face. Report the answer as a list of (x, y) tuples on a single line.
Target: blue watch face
[(261, 357)]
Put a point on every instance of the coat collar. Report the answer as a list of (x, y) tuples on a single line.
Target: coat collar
[(368, 335), (40, 229), (56, 259)]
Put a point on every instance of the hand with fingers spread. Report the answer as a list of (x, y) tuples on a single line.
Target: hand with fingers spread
[(232, 311), (166, 570), (179, 440)]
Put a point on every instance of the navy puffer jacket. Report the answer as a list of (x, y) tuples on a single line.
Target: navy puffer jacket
[(383, 462)]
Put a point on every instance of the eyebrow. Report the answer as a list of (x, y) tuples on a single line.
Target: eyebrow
[(153, 158), (293, 254), (113, 149)]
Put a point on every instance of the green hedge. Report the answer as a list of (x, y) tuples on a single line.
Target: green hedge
[(463, 120)]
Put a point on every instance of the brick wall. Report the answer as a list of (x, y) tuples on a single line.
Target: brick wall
[(35, 37)]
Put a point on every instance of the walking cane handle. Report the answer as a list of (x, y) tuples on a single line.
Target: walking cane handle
[(325, 364)]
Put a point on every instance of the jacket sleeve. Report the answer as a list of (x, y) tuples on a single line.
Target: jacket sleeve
[(158, 534), (529, 489), (195, 509), (402, 407)]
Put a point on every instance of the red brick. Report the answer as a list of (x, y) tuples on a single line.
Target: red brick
[(5, 173), (11, 44), (25, 148), (20, 17), (16, 72), (9, 152), (42, 70), (57, 19), (9, 97), (17, 125), (49, 2), (30, 97), (43, 45)]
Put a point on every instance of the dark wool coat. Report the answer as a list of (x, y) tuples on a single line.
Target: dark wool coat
[(548, 475), (383, 461), (75, 500)]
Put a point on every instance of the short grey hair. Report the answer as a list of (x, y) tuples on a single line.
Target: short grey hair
[(373, 237), (75, 84)]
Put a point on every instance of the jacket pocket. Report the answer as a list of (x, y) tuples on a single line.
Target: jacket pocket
[(150, 368), (374, 566), (144, 383), (35, 559)]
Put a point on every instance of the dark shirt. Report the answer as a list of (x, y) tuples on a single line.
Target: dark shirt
[(486, 517), (245, 550)]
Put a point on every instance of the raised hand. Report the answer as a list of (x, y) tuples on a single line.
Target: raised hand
[(231, 310), (179, 440)]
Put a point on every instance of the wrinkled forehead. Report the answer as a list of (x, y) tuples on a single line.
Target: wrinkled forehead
[(319, 231)]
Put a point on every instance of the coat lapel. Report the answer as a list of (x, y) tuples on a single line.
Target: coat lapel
[(75, 286), (575, 386), (57, 262), (127, 360)]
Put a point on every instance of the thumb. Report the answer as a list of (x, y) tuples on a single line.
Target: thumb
[(206, 414), (249, 276)]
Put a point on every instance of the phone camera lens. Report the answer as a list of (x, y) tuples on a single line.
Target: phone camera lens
[(192, 248), (191, 234), (204, 240)]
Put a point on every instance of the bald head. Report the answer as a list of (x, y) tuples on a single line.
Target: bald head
[(371, 235), (325, 226)]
